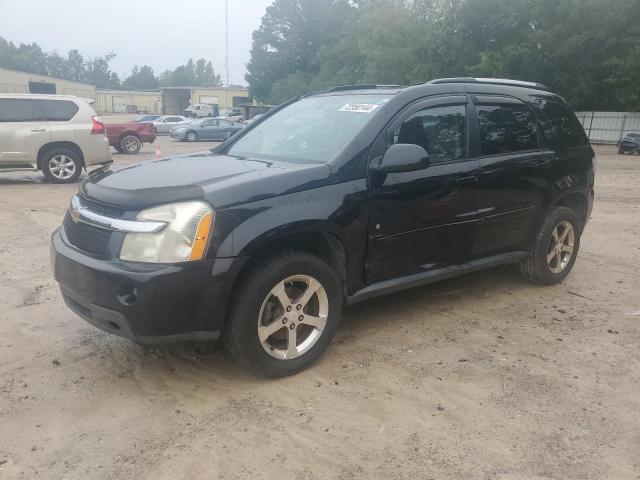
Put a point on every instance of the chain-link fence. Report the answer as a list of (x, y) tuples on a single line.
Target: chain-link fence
[(609, 127)]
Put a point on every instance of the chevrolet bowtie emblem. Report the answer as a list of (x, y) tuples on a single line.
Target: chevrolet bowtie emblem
[(74, 211)]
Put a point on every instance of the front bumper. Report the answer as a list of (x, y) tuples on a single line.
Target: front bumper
[(148, 304), (178, 135)]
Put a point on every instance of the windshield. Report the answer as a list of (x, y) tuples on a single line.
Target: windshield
[(313, 129)]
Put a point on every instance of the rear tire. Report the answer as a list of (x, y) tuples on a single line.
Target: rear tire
[(555, 248), (268, 331), (61, 165), (130, 144)]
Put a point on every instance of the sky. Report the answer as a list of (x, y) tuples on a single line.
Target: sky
[(159, 33)]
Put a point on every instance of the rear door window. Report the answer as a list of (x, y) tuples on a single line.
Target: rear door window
[(20, 110), (59, 110), (506, 128)]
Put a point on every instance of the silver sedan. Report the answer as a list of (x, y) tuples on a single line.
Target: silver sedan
[(165, 123)]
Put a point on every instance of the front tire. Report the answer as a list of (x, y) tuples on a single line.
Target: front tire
[(284, 314), (130, 144), (191, 137), (555, 248), (61, 165)]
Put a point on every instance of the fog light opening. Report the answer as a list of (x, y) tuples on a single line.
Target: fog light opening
[(127, 295)]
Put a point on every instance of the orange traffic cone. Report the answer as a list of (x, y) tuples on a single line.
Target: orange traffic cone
[(158, 151)]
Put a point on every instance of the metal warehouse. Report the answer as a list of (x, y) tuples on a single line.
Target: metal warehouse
[(12, 81), (128, 101), (176, 99), (168, 101)]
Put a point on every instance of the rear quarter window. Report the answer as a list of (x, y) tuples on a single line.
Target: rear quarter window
[(20, 110), (561, 127), (59, 110)]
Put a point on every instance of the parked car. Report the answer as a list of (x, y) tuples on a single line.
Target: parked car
[(147, 118), (165, 123), (56, 134), (129, 137), (206, 129), (236, 115), (629, 144), (331, 199), (201, 110), (251, 120)]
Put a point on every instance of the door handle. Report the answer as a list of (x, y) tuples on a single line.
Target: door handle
[(470, 179), (38, 129)]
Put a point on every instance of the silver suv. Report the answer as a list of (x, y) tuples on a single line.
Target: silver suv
[(57, 134)]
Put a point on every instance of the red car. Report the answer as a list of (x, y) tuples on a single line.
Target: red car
[(129, 137)]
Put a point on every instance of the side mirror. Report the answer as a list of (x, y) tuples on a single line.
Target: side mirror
[(403, 157)]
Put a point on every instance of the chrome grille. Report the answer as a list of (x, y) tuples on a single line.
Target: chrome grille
[(102, 209), (86, 237)]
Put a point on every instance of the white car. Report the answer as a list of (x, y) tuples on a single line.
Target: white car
[(200, 110), (251, 120), (165, 123), (57, 134)]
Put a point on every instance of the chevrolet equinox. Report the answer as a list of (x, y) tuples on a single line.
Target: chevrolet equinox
[(327, 200)]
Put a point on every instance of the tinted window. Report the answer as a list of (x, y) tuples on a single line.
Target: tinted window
[(20, 110), (59, 110), (441, 131), (561, 124), (506, 128), (225, 123), (173, 119)]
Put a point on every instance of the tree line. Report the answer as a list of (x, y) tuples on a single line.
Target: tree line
[(586, 50), (74, 66)]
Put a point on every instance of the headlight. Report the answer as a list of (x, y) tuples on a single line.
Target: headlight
[(184, 239)]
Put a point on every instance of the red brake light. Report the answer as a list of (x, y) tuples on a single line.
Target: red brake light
[(98, 126)]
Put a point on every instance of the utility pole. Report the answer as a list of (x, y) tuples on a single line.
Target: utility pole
[(226, 29)]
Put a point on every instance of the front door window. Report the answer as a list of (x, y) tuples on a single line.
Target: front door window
[(441, 131)]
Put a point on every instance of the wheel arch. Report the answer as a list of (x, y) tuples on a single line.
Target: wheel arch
[(576, 201), (320, 243), (62, 144)]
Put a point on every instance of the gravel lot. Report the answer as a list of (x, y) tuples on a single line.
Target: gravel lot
[(480, 377)]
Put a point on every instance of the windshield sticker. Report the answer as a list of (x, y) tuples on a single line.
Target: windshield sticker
[(358, 108)]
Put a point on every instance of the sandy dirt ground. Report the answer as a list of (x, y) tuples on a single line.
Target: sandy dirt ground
[(480, 377)]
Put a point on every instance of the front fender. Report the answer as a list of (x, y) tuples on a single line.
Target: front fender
[(340, 210)]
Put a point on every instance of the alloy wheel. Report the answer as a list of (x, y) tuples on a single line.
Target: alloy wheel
[(62, 167), (131, 145), (560, 248), (293, 317)]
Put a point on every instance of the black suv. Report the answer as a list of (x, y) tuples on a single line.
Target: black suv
[(327, 200)]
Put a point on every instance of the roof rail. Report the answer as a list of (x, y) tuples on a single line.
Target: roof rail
[(344, 88), (492, 81)]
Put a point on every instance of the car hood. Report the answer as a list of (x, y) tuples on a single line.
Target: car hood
[(221, 180)]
